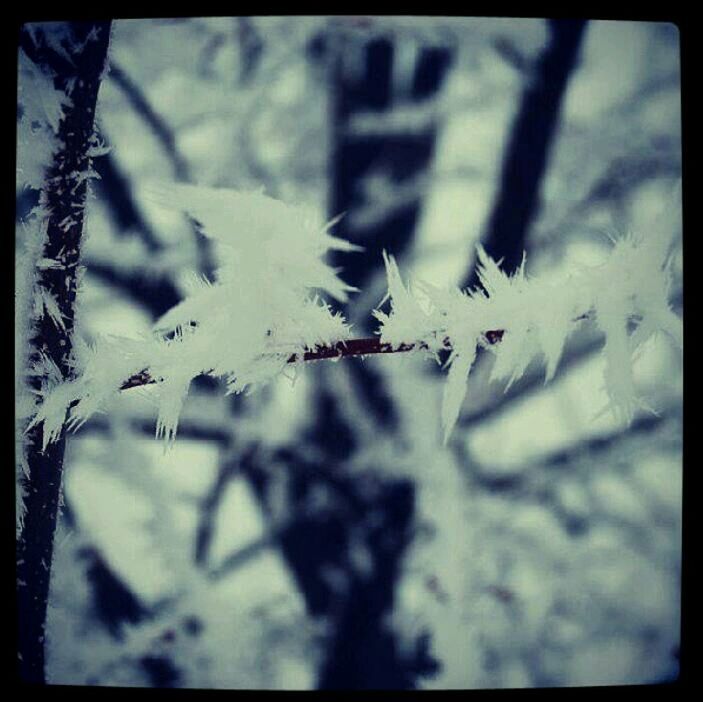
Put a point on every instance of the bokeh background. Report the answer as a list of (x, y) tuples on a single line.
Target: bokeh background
[(318, 534)]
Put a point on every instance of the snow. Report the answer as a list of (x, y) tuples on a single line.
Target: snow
[(461, 360)]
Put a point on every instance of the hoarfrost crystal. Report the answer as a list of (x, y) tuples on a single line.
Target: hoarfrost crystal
[(244, 325), (537, 315)]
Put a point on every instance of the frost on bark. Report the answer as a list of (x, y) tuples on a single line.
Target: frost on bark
[(74, 54)]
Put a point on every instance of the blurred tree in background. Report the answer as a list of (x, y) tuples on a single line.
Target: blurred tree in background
[(318, 534)]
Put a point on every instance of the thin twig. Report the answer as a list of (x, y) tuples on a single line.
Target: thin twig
[(340, 349)]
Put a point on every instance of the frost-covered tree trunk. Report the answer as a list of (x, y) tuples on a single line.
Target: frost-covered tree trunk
[(74, 56)]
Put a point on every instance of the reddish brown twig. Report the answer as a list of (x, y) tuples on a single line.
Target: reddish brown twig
[(352, 347), (341, 349), (141, 378)]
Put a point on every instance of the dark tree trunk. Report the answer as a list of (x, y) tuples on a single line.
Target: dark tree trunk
[(367, 513), (370, 514), (527, 153), (64, 197), (364, 652), (402, 155)]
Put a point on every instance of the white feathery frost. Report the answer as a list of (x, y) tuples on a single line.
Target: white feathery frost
[(40, 108), (261, 307), (536, 316)]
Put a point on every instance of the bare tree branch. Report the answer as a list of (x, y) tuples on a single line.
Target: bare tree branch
[(158, 125), (157, 295), (121, 203), (537, 478), (166, 138), (226, 471), (527, 153)]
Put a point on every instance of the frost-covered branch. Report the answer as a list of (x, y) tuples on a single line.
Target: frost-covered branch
[(260, 315), (630, 288), (259, 310), (574, 354), (369, 346)]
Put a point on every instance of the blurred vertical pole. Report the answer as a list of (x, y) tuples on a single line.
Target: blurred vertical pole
[(75, 55), (527, 152)]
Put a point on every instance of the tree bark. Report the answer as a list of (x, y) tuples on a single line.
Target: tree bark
[(77, 66)]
